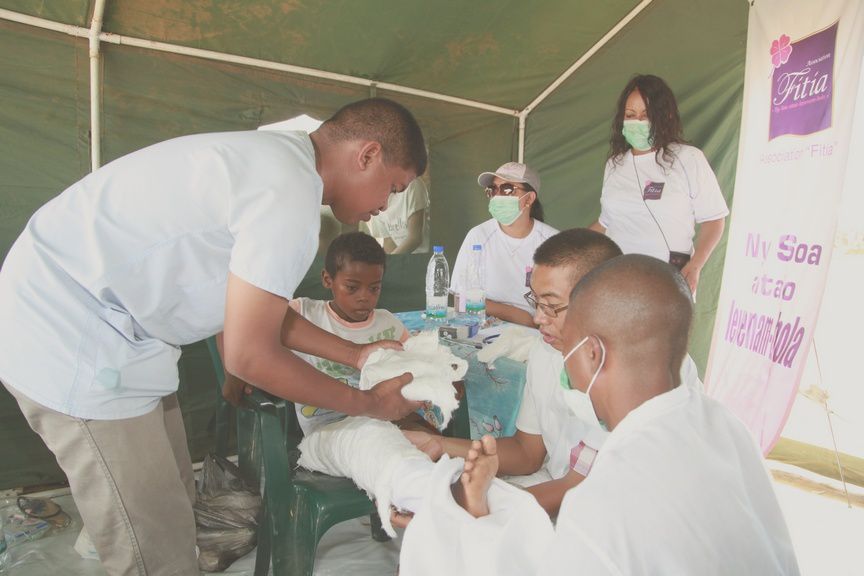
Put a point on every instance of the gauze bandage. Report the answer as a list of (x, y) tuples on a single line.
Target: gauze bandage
[(514, 342), (433, 366), (362, 449)]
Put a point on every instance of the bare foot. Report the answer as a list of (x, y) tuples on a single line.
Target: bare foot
[(481, 465)]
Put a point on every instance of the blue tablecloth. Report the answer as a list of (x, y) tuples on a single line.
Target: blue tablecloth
[(494, 393)]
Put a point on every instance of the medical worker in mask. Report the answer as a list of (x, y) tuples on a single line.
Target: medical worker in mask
[(656, 188), (508, 241)]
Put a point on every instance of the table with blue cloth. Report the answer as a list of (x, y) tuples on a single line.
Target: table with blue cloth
[(494, 392)]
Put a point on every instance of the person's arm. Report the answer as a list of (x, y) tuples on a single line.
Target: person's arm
[(550, 494), (707, 239), (509, 313), (388, 245), (415, 234), (517, 455), (233, 388), (597, 227), (256, 325)]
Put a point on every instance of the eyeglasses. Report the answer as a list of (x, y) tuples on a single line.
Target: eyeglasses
[(505, 189), (550, 311)]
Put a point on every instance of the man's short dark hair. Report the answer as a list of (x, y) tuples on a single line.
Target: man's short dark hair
[(353, 247), (640, 303), (386, 122), (582, 248)]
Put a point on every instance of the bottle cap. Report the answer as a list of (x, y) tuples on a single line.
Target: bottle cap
[(438, 249)]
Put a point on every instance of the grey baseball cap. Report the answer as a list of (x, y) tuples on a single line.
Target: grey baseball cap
[(512, 172)]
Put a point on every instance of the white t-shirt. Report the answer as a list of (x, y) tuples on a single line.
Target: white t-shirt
[(678, 488), (678, 197), (381, 325), (109, 278), (393, 222), (544, 411), (505, 261)]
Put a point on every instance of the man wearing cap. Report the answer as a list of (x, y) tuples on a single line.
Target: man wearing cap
[(508, 241)]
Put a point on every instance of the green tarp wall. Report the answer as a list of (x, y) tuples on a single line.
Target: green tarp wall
[(494, 51)]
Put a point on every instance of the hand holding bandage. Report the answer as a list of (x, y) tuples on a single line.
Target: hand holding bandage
[(433, 366)]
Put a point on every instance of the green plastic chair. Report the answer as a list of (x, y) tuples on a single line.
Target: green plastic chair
[(299, 505)]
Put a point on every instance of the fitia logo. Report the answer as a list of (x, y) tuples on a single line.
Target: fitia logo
[(802, 84)]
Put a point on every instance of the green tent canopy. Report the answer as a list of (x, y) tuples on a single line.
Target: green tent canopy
[(489, 81)]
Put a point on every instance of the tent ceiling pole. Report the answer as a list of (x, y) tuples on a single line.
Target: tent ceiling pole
[(523, 115), (585, 57), (96, 86), (521, 157), (243, 60)]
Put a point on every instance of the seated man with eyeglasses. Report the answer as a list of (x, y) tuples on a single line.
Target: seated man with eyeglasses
[(508, 241), (555, 441)]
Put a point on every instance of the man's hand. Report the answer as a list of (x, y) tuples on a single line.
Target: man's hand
[(691, 274), (365, 350), (387, 400), (400, 519), (234, 389), (429, 444)]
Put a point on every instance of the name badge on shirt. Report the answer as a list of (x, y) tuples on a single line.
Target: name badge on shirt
[(653, 190)]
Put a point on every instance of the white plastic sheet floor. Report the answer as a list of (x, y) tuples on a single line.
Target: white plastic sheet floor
[(826, 533)]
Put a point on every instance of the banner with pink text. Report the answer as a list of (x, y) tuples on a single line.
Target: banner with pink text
[(800, 88)]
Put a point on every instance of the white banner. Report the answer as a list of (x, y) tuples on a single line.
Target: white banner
[(800, 87)]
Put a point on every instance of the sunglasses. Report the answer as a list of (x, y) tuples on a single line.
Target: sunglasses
[(506, 189), (550, 311)]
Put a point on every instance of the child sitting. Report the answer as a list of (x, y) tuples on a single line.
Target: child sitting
[(353, 272)]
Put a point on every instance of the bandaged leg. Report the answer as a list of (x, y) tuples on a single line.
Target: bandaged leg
[(373, 454), (443, 538), (411, 478)]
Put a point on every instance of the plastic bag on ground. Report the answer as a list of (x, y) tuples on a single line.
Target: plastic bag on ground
[(226, 515)]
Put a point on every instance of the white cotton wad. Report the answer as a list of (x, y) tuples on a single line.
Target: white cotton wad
[(515, 342), (433, 366), (362, 449)]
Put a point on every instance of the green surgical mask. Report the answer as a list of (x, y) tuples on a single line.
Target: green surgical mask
[(637, 133), (505, 209)]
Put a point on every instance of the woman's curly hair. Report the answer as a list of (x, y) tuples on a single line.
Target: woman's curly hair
[(663, 114)]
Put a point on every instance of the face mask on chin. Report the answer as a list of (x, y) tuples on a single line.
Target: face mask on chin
[(637, 133), (505, 209), (578, 402)]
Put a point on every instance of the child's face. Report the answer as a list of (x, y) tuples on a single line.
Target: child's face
[(356, 288)]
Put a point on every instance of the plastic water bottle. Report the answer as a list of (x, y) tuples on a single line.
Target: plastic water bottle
[(475, 289), (437, 286)]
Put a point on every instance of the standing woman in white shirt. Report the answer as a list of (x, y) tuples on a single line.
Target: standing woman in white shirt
[(508, 241), (656, 188)]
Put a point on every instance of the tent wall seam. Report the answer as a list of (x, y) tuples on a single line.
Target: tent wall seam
[(95, 36), (523, 115), (244, 60)]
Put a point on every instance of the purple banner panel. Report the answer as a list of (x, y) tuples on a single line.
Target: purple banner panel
[(802, 85)]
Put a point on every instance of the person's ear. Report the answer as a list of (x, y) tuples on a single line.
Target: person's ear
[(532, 197), (369, 154), (326, 280), (595, 350)]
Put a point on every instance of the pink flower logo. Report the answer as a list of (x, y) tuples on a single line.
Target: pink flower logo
[(780, 51)]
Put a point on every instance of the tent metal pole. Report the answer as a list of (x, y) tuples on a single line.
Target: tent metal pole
[(585, 57), (522, 118), (96, 86), (243, 60)]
